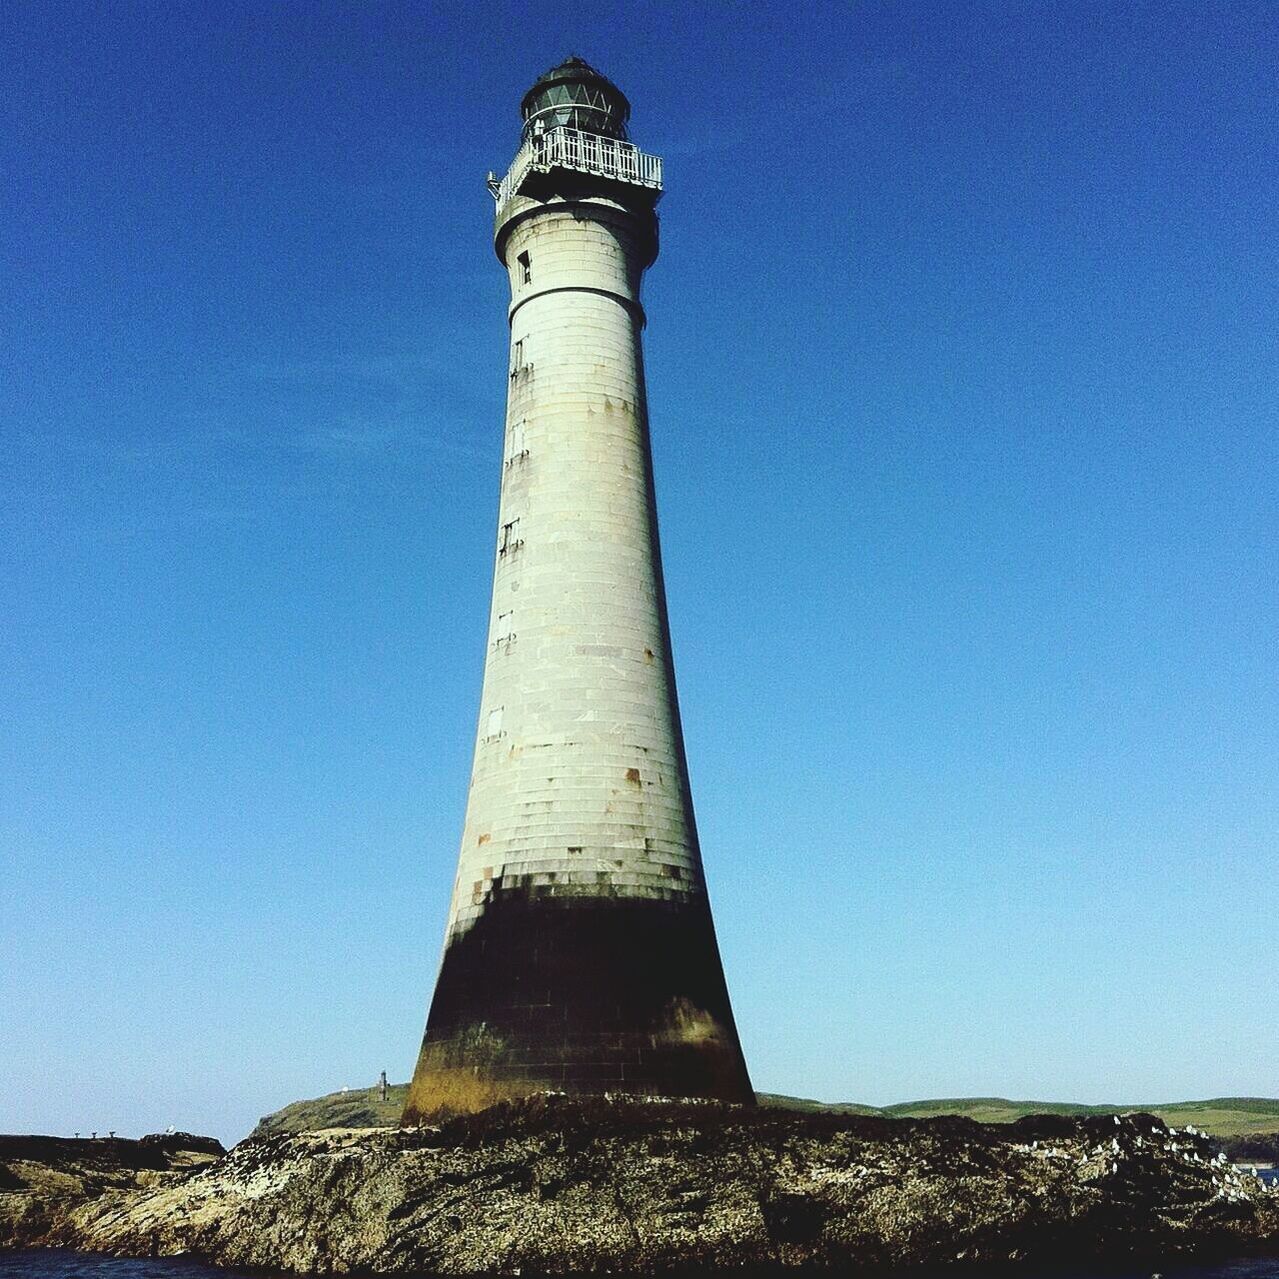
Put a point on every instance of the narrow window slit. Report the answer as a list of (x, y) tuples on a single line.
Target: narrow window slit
[(511, 540)]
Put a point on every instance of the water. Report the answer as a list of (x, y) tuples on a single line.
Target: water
[(56, 1264)]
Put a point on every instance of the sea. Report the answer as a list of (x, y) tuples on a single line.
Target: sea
[(55, 1264)]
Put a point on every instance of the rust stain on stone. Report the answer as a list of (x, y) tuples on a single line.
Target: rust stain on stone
[(459, 1078), (484, 839), (633, 775), (688, 1024)]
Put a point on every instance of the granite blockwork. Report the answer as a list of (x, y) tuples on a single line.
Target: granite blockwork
[(580, 953)]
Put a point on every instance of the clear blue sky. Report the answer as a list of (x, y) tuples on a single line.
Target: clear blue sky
[(964, 377)]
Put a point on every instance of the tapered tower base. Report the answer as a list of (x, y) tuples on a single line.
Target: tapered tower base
[(579, 995)]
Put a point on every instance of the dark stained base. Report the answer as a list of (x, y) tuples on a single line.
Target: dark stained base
[(579, 994)]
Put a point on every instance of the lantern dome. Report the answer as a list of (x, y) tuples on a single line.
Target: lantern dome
[(574, 94)]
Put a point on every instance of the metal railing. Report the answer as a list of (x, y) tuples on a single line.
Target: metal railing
[(566, 148)]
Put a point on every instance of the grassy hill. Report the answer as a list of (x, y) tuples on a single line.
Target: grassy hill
[(1220, 1116), (351, 1108)]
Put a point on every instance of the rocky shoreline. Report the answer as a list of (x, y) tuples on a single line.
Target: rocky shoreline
[(45, 1180), (555, 1185)]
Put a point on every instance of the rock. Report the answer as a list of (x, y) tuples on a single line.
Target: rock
[(558, 1184), (43, 1179), (182, 1145)]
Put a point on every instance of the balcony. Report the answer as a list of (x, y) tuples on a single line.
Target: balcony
[(571, 149)]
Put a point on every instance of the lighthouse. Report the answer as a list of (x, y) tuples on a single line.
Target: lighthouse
[(580, 954)]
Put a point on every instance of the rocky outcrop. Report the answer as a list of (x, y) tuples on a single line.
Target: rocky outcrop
[(44, 1179), (1251, 1148), (553, 1184)]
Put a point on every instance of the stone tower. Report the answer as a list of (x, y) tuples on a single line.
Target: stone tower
[(580, 954)]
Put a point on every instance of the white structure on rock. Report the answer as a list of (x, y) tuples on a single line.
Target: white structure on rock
[(580, 953)]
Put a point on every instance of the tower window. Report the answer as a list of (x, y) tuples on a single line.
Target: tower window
[(526, 268), (493, 725), (517, 357), (505, 632), (511, 540), (516, 449)]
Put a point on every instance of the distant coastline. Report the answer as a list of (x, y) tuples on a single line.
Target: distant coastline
[(1248, 1127)]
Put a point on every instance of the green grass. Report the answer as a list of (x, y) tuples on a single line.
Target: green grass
[(355, 1108), (1220, 1116), (804, 1103)]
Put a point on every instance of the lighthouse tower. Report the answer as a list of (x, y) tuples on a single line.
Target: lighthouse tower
[(580, 954)]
